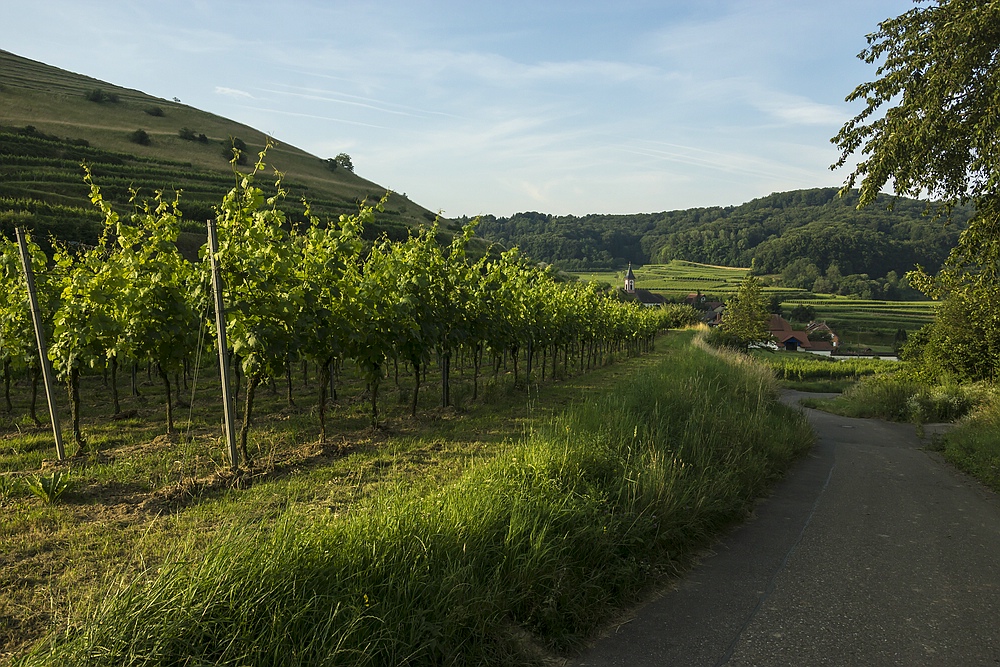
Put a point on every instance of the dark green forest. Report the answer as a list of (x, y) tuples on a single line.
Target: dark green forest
[(805, 235)]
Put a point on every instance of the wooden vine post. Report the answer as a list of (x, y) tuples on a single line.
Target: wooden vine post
[(36, 319), (220, 329)]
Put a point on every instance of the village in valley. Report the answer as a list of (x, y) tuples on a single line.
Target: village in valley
[(815, 337)]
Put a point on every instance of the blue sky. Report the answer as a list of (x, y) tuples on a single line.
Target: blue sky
[(578, 107)]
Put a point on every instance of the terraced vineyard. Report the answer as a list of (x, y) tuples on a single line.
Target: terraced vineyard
[(849, 310), (866, 323), (52, 121), (42, 187), (680, 278), (677, 278), (860, 323)]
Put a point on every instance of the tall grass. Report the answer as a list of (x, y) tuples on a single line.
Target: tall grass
[(530, 548), (900, 397), (974, 444)]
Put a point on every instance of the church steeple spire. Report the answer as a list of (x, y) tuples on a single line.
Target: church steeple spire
[(629, 280)]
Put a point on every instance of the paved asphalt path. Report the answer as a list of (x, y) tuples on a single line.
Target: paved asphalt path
[(872, 551)]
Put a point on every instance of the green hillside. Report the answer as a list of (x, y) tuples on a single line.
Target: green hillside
[(52, 120), (805, 234)]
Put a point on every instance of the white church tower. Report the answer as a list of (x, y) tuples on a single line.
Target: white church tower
[(629, 280)]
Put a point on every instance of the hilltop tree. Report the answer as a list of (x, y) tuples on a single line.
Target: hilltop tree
[(344, 160), (939, 136)]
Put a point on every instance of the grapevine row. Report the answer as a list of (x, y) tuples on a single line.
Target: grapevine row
[(313, 292)]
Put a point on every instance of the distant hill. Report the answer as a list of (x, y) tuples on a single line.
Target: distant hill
[(804, 234), (52, 120)]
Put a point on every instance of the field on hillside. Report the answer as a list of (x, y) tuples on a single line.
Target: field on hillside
[(676, 278), (48, 127), (860, 323), (860, 320)]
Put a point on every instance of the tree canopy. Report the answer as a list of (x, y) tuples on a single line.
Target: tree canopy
[(940, 136), (344, 160), (745, 320), (939, 77)]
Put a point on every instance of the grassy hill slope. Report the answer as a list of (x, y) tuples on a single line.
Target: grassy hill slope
[(48, 126)]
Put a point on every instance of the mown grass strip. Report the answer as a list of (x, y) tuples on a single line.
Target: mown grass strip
[(540, 541)]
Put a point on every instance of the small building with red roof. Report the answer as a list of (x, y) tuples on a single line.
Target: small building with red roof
[(786, 337)]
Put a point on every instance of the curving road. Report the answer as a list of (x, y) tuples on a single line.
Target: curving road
[(872, 551)]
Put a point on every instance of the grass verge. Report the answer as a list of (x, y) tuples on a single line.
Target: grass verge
[(531, 546), (974, 444), (900, 398)]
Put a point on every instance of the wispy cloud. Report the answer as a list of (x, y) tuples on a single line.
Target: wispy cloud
[(201, 42), (801, 111), (495, 70), (320, 95), (233, 92), (299, 114), (747, 165), (445, 67)]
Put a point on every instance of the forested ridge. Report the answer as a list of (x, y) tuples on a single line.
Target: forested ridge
[(812, 227)]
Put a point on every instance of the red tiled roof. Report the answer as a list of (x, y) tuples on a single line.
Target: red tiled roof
[(778, 323)]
